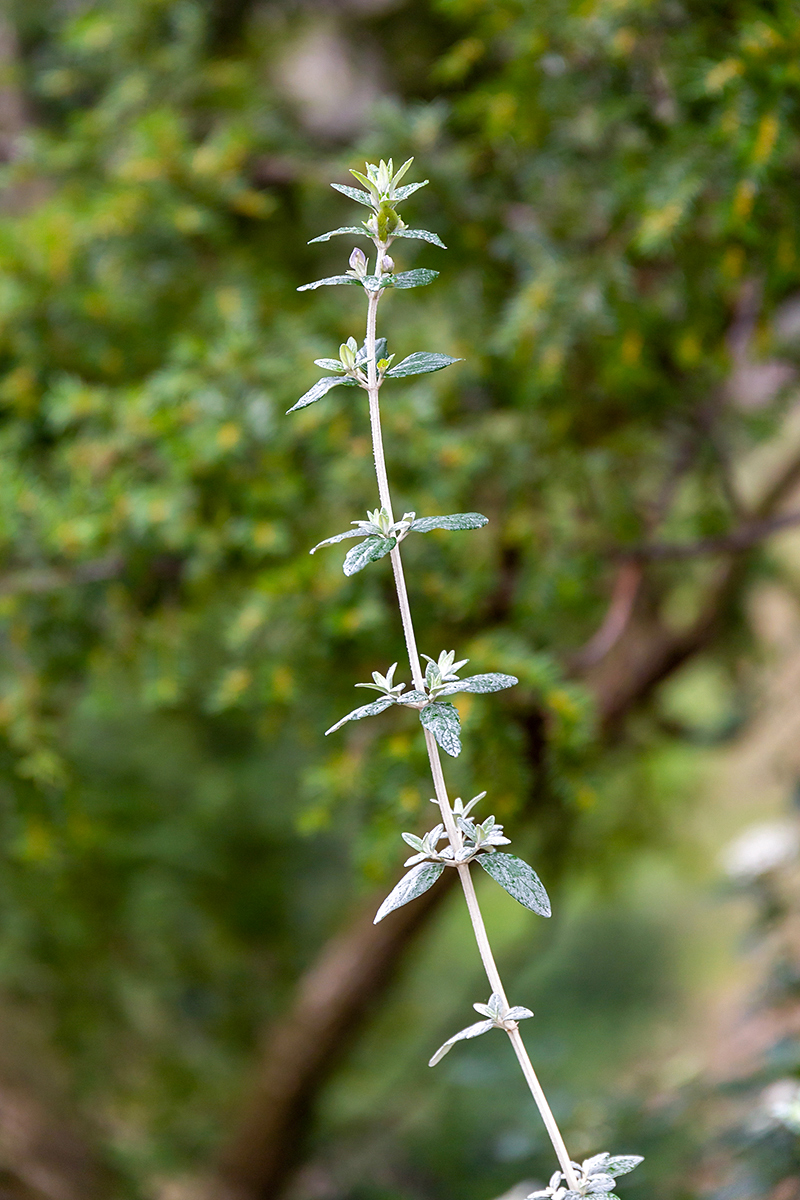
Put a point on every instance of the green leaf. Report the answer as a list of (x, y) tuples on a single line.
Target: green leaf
[(380, 351), (409, 279), (418, 880), (366, 710), (403, 193), (463, 1035), (518, 879), (424, 235), (421, 363), (338, 537), (326, 237), (621, 1164), (370, 550), (354, 194), (481, 684), (319, 389), (329, 364), (453, 521), (331, 281), (445, 724)]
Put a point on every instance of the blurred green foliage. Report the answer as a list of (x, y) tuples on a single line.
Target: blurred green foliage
[(177, 837)]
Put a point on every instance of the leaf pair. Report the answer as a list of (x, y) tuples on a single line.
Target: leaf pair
[(498, 1016), (419, 277), (423, 235), (380, 542), (512, 873)]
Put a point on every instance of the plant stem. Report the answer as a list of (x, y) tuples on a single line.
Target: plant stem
[(453, 832)]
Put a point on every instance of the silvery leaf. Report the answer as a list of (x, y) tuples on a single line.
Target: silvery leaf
[(620, 1164), (319, 389), (596, 1196), (331, 281), (412, 840), (422, 362), (325, 237), (417, 881), (481, 684), (402, 193), (329, 364), (472, 1031), (368, 551), (518, 1013), (380, 351), (453, 521), (424, 235), (484, 1010), (445, 724), (598, 1162), (366, 710), (337, 537), (518, 879), (413, 697), (408, 279), (354, 194), (602, 1183)]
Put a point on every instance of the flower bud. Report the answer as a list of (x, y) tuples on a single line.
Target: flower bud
[(358, 262), (387, 263), (346, 356)]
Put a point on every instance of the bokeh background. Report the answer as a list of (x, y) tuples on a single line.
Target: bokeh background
[(194, 1004)]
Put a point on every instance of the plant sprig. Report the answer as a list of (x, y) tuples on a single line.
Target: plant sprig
[(467, 840)]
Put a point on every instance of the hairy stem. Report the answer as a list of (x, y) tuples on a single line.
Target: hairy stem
[(440, 787)]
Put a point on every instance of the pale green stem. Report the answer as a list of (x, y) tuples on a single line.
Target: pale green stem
[(439, 784)]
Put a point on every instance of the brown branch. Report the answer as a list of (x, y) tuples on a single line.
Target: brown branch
[(615, 622), (747, 535), (332, 998)]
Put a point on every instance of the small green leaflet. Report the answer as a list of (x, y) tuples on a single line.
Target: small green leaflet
[(445, 724), (371, 549), (409, 279), (354, 194), (481, 684), (380, 351), (424, 235), (518, 879), (366, 710), (326, 237), (421, 363), (453, 521), (413, 884), (621, 1164), (463, 1035), (319, 389), (402, 193), (337, 537), (331, 281), (329, 364)]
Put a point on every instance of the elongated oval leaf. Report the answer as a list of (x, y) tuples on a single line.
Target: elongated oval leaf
[(421, 363), (380, 351), (423, 235), (620, 1164), (409, 279), (331, 281), (354, 193), (371, 549), (463, 1035), (329, 364), (402, 193), (445, 724), (326, 237), (453, 521), (481, 684), (412, 697), (337, 537), (366, 710), (518, 879), (413, 884), (319, 389)]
